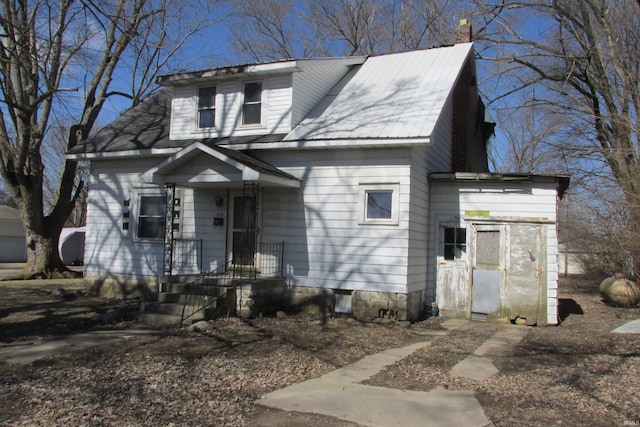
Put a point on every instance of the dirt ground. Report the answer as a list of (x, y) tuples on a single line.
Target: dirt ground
[(578, 373)]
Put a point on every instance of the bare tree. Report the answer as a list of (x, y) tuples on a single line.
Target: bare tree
[(284, 29), (583, 58), (268, 30), (530, 140), (61, 58)]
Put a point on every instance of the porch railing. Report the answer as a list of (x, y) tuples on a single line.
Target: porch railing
[(212, 288), (187, 256)]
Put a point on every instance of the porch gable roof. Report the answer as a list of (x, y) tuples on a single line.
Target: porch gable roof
[(229, 167)]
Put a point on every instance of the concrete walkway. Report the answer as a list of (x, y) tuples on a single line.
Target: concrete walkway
[(339, 394), (479, 366), (28, 351)]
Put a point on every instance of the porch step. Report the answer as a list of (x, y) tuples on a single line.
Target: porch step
[(166, 314), (159, 319), (240, 297), (204, 288), (181, 298)]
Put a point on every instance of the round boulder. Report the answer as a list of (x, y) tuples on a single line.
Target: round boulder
[(605, 284), (622, 293)]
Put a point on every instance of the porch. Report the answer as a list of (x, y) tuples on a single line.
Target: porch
[(234, 289)]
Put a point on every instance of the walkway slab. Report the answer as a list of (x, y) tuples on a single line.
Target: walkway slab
[(479, 366), (370, 365), (379, 406), (339, 394), (30, 351), (632, 327), (474, 368)]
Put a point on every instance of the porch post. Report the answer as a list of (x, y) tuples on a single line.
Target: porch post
[(168, 230)]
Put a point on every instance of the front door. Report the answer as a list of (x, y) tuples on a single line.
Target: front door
[(487, 272), (243, 229)]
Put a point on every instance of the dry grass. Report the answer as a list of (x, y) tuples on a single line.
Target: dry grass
[(578, 373), (36, 308)]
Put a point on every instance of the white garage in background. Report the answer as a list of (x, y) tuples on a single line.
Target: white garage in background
[(12, 236)]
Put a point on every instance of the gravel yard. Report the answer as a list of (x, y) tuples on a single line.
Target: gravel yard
[(578, 373)]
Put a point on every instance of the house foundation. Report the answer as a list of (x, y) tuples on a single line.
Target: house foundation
[(365, 306), (120, 285)]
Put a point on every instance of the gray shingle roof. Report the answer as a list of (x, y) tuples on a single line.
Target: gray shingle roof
[(146, 126), (142, 127)]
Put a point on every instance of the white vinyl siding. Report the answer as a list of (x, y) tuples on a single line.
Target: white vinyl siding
[(326, 247), (110, 250), (419, 220), (523, 201), (276, 108)]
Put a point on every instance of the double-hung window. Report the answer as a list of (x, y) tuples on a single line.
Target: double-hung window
[(151, 217), (207, 107), (252, 103)]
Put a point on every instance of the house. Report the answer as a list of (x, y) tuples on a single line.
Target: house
[(12, 236), (363, 180)]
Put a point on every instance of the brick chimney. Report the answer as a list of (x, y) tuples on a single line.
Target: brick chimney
[(463, 32)]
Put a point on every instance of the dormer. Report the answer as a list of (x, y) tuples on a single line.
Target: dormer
[(270, 98)]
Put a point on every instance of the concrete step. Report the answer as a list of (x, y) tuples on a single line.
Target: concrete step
[(207, 287), (173, 309), (159, 319), (178, 298), (170, 297)]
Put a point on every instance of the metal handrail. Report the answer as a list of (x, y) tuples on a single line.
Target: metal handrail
[(208, 284)]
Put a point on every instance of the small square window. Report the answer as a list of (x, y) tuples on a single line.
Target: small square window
[(206, 107), (379, 203)]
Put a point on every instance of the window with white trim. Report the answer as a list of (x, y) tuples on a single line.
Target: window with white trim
[(378, 203), (207, 107), (151, 216), (252, 103)]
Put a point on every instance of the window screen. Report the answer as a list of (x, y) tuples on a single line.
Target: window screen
[(252, 106), (151, 217), (207, 107)]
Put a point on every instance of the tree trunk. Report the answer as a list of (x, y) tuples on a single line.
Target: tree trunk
[(43, 258), (43, 236)]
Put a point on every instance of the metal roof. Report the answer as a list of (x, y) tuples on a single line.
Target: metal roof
[(561, 180), (238, 71), (390, 96), (395, 96)]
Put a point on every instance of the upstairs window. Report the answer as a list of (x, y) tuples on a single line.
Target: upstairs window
[(207, 107), (455, 243), (252, 103)]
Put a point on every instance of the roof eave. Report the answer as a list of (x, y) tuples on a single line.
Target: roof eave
[(561, 180), (333, 144), (233, 72)]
